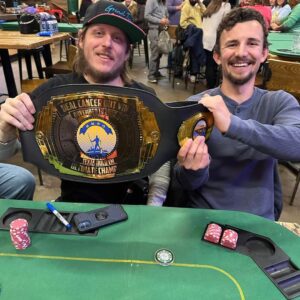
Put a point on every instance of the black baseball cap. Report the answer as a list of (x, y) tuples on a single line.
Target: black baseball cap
[(114, 14)]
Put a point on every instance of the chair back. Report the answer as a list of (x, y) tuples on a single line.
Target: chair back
[(284, 76), (72, 50), (172, 31)]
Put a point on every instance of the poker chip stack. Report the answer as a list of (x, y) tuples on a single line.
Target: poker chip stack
[(19, 234), (213, 233), (229, 239)]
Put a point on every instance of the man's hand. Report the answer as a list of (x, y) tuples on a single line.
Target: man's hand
[(17, 113), (222, 116), (275, 26), (164, 21), (193, 155)]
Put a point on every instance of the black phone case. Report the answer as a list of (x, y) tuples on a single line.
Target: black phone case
[(97, 218)]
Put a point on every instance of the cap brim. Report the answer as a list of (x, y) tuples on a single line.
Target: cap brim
[(134, 33)]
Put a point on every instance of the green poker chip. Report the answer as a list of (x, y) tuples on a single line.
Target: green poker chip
[(164, 257)]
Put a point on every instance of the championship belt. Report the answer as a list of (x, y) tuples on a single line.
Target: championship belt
[(105, 134)]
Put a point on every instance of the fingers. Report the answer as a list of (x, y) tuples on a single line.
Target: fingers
[(193, 155), (18, 112), (206, 101), (181, 156)]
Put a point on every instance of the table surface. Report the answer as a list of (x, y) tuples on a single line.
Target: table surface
[(280, 44), (8, 17), (62, 27), (17, 40), (119, 263)]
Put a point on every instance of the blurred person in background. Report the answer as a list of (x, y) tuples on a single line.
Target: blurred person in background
[(291, 23), (265, 10), (156, 14), (174, 9), (212, 17), (280, 11), (191, 20)]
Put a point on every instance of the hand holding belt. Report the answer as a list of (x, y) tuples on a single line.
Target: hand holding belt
[(105, 134)]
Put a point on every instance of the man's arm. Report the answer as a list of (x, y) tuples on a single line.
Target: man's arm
[(292, 19), (184, 15), (16, 113), (150, 8), (278, 135), (159, 185)]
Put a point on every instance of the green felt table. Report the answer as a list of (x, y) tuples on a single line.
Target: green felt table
[(281, 44), (119, 262), (62, 27)]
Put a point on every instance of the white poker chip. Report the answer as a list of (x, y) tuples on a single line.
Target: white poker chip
[(164, 257)]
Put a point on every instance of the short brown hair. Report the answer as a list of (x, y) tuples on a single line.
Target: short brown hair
[(240, 15)]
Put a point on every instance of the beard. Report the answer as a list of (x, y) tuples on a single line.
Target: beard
[(239, 81), (97, 76)]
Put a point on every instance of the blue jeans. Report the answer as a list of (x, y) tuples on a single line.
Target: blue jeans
[(16, 183)]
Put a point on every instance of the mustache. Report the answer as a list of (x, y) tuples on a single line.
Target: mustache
[(242, 61), (106, 53)]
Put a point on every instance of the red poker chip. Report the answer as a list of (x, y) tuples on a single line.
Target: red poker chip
[(229, 239), (19, 234), (18, 224), (213, 233)]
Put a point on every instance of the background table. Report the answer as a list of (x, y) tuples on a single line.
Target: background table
[(280, 44), (16, 40), (8, 17), (62, 27), (119, 262)]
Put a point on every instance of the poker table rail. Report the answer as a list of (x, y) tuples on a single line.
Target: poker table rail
[(119, 262)]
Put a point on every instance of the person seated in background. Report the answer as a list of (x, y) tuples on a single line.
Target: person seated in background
[(191, 21), (212, 17), (236, 168), (103, 50), (292, 22), (265, 10), (15, 182), (280, 11), (174, 9)]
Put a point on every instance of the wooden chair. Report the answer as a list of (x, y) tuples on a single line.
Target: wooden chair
[(138, 48), (284, 76), (28, 85), (62, 67), (295, 169)]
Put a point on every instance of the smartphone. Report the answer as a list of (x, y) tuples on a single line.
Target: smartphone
[(97, 218)]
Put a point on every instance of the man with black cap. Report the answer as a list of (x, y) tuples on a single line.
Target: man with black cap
[(103, 49)]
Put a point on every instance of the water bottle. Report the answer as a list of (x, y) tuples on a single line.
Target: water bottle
[(52, 23)]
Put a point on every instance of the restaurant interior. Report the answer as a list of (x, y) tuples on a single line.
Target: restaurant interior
[(282, 71)]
